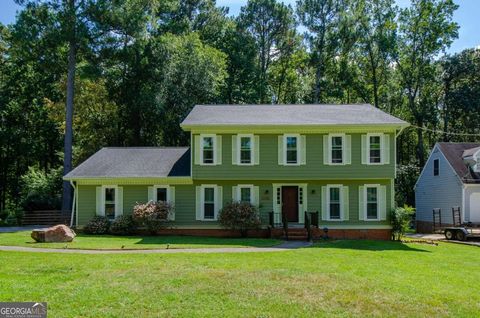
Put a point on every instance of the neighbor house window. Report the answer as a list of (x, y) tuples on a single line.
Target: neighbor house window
[(337, 149), (208, 149), (374, 149), (334, 204), (372, 203), (246, 149), (436, 167), (291, 149), (209, 203), (110, 206)]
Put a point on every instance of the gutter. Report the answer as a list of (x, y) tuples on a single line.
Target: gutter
[(73, 202)]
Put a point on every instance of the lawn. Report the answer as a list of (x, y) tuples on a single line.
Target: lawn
[(84, 241), (339, 278)]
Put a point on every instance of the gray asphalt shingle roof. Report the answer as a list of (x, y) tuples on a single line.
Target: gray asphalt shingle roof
[(113, 162), (454, 153), (350, 114)]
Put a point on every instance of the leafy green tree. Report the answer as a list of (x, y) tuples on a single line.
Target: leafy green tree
[(271, 25), (425, 30)]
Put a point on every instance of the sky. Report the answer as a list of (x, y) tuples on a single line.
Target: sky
[(466, 16)]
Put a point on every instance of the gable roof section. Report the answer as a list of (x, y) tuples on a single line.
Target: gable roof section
[(454, 153), (283, 115), (134, 162)]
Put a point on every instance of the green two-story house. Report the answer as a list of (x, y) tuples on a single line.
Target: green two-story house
[(338, 160)]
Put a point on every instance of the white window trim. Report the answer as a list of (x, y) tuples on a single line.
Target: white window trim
[(381, 149), (338, 186), (239, 192), (162, 186), (104, 187), (214, 139), (365, 203), (285, 136), (330, 144), (252, 149), (476, 167), (215, 200)]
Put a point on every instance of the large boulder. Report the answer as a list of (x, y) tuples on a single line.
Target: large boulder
[(57, 233)]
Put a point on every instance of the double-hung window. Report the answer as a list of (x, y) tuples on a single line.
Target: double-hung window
[(372, 203), (336, 149), (246, 194), (110, 202), (374, 148), (334, 202), (208, 149), (161, 194), (436, 167), (246, 149), (291, 155), (209, 203)]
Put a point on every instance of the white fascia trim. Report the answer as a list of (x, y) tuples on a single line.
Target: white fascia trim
[(365, 187), (214, 140), (340, 187), (285, 136), (252, 149), (330, 148)]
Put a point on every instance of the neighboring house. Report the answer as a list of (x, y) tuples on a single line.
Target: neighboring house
[(335, 159), (450, 178)]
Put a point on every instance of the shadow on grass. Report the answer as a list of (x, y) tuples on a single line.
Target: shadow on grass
[(367, 245)]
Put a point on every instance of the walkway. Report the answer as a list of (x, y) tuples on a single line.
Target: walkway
[(285, 246)]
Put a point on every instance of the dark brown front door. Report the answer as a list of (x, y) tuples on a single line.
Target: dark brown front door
[(290, 203)]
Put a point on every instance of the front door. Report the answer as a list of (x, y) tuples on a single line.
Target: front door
[(290, 203)]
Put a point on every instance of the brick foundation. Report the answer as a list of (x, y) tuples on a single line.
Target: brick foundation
[(263, 233), (347, 234)]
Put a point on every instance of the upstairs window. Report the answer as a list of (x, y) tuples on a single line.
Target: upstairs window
[(208, 150), (245, 150), (374, 149), (291, 149), (436, 167), (337, 149)]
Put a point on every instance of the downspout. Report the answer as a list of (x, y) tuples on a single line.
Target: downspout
[(73, 202)]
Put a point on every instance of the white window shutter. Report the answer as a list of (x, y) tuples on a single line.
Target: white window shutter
[(326, 150), (151, 194), (219, 150), (99, 201), (303, 149), (324, 204), (119, 207), (256, 196), (364, 150), (280, 151), (386, 149), (234, 150), (347, 154), (171, 217), (382, 206), (198, 203), (198, 150), (235, 194), (219, 200), (256, 151), (345, 204), (361, 203)]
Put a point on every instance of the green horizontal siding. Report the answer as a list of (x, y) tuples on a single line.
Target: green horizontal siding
[(185, 199), (269, 169)]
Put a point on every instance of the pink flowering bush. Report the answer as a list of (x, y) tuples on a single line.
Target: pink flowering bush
[(240, 216), (152, 215)]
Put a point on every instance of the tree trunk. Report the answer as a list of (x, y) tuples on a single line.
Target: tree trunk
[(420, 146), (67, 160)]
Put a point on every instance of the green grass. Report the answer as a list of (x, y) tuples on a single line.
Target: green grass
[(84, 241), (339, 278)]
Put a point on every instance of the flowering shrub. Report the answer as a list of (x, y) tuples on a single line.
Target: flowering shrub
[(122, 225), (240, 216), (152, 215), (97, 225)]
